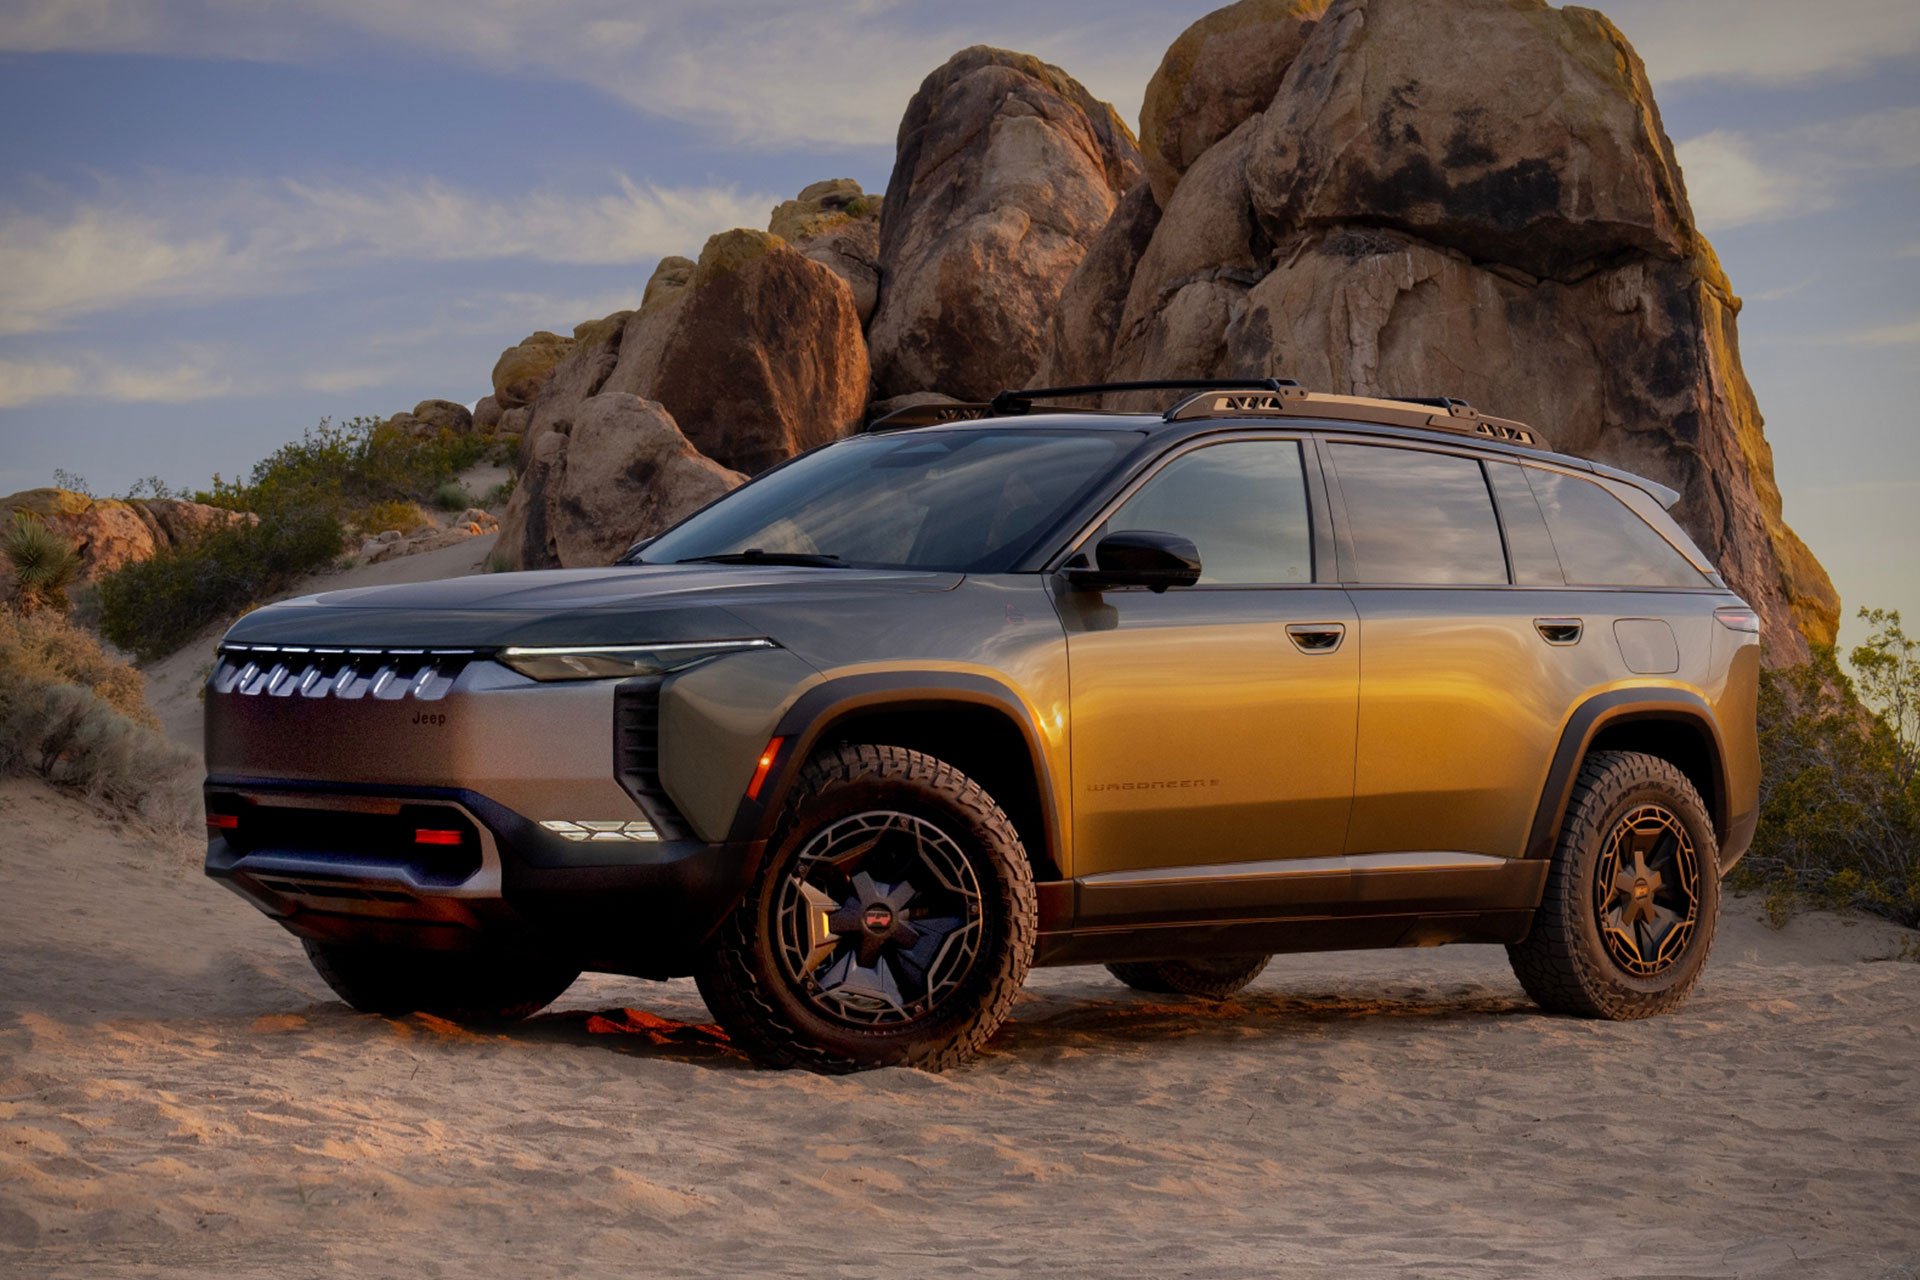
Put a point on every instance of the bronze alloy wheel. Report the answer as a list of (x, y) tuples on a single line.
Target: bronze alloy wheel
[(1647, 891), (879, 919)]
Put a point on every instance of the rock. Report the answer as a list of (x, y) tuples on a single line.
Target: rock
[(1080, 340), (1553, 275), (521, 370), (1006, 169), (1223, 69), (407, 424), (111, 533), (1533, 141), (514, 422), (760, 357), (837, 225), (444, 415), (667, 280), (487, 414), (591, 355), (624, 472)]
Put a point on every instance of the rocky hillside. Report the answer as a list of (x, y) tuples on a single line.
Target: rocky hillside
[(110, 533), (1472, 198)]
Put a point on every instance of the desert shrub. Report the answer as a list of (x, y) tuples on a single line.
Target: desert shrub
[(41, 565), (73, 738), (452, 496), (1839, 796), (497, 496), (348, 467), (51, 649), (152, 607), (392, 515)]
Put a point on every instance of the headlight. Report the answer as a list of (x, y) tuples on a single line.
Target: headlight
[(610, 661)]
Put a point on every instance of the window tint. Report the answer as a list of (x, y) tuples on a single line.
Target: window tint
[(1418, 517), (1602, 543), (1244, 504), (1529, 549)]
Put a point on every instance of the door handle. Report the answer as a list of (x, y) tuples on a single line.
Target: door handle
[(1558, 630), (1316, 637)]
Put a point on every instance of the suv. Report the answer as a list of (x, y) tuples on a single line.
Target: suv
[(990, 686)]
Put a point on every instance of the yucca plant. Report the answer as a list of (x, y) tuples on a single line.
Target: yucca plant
[(44, 565)]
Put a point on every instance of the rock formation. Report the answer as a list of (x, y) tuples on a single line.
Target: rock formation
[(1005, 171), (837, 225), (110, 533), (521, 370), (621, 472), (430, 417), (1504, 223)]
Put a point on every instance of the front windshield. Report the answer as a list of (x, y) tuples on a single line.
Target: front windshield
[(969, 501)]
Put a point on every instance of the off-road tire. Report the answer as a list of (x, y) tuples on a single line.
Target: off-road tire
[(1563, 962), (1214, 978), (477, 987), (740, 977)]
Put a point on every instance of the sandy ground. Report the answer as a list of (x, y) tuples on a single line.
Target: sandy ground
[(180, 1096)]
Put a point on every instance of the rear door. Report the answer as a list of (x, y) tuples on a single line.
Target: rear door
[(1463, 682), (1214, 724)]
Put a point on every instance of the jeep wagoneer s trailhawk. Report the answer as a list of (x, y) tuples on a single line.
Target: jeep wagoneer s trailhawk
[(990, 686)]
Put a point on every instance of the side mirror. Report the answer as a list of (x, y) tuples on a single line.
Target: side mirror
[(1138, 558)]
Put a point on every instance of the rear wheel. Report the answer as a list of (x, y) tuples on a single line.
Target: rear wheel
[(1213, 978), (892, 926), (461, 986), (1632, 897)]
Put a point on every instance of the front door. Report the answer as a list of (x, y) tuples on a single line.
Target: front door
[(1214, 724)]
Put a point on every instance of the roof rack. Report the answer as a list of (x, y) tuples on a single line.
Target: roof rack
[(1455, 415), (1013, 403), (1238, 398)]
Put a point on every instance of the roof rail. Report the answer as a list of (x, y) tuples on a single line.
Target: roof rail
[(1293, 401), (929, 415)]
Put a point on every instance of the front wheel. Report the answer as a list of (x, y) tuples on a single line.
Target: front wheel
[(893, 924), (460, 986), (1632, 896)]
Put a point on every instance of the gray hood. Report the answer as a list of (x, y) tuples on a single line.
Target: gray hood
[(618, 605)]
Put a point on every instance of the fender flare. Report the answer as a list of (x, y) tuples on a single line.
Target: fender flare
[(1602, 711), (816, 711)]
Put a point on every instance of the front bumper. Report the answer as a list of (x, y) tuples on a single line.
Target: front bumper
[(337, 863)]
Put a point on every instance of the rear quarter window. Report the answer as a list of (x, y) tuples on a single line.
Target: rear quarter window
[(1601, 542)]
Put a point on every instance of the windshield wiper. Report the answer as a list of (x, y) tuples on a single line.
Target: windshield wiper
[(754, 555)]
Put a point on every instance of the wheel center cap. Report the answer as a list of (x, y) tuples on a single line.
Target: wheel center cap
[(1641, 888), (877, 918)]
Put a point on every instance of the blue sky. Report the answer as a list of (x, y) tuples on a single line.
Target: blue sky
[(222, 220)]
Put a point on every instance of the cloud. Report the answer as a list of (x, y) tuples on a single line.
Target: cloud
[(766, 73), (1766, 41), (93, 377), (1902, 334), (176, 240), (24, 381), (1735, 178)]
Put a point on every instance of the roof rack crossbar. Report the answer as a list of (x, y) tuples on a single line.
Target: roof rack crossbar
[(1018, 400), (1441, 413)]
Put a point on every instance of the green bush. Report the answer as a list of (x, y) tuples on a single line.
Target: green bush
[(150, 608), (453, 496), (1839, 791), (347, 467), (50, 648), (73, 738), (43, 565), (395, 514)]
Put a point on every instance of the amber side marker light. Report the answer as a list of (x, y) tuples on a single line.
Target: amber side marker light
[(761, 770), (1735, 619), (427, 835)]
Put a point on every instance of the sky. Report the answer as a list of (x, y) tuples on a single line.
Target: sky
[(222, 220)]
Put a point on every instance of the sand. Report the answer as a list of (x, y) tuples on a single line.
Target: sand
[(180, 1096)]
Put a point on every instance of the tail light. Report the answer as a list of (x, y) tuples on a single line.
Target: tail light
[(431, 835), (222, 821), (1738, 618)]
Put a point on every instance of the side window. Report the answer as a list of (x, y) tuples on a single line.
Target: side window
[(1244, 504), (1601, 542), (1528, 547), (1417, 517)]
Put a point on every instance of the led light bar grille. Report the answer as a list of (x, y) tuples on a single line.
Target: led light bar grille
[(292, 671)]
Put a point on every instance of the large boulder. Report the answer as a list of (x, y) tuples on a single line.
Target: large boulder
[(837, 225), (444, 415), (1510, 228), (622, 472), (758, 358), (111, 533), (1080, 339), (1006, 170), (1222, 70), (1508, 129), (670, 276), (523, 369)]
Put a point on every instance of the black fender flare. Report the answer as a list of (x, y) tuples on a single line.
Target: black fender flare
[(1602, 711), (815, 713)]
